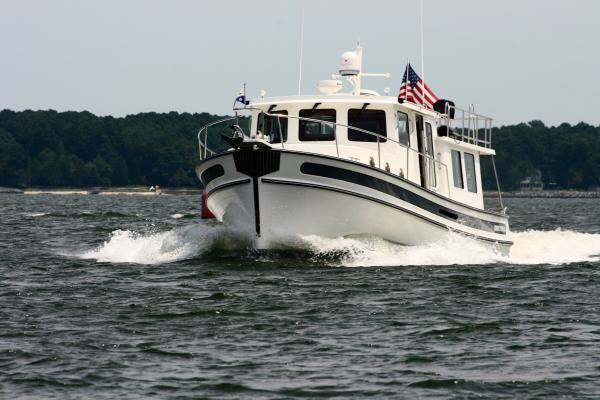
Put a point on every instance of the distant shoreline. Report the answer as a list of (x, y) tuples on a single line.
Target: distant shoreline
[(105, 191), (143, 191), (547, 194)]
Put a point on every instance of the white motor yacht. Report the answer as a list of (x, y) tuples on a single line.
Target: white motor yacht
[(358, 163)]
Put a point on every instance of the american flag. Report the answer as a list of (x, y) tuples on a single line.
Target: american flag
[(413, 89)]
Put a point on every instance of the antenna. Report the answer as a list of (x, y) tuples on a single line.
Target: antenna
[(422, 60), (301, 46)]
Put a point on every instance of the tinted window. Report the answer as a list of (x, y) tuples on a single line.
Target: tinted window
[(369, 120), (457, 169), (403, 137), (269, 126), (317, 131), (430, 153), (470, 172)]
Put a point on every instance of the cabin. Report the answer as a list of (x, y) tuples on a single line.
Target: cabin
[(439, 151)]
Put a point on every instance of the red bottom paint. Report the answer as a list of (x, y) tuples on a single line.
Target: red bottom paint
[(205, 213)]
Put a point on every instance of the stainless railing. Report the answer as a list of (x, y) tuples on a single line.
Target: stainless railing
[(467, 126), (204, 151), (203, 147)]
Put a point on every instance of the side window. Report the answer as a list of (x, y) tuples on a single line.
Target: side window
[(470, 172), (457, 169), (430, 153), (369, 120), (269, 126), (403, 137), (316, 131)]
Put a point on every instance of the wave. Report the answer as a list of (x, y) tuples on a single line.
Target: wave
[(554, 247), (374, 251), (81, 214), (184, 216), (35, 215), (530, 247), (125, 246)]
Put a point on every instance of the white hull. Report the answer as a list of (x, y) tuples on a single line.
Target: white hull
[(309, 194)]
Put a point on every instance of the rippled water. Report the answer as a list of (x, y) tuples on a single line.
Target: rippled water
[(136, 297)]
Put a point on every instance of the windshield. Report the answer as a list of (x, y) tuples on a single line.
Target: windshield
[(269, 126)]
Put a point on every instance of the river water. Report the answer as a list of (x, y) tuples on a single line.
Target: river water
[(135, 297)]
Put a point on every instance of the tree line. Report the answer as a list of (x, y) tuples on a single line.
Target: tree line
[(565, 156), (48, 148), (70, 149)]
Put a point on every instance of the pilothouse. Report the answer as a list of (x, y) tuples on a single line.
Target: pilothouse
[(405, 168)]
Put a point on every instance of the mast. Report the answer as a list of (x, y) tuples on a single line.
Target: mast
[(357, 82)]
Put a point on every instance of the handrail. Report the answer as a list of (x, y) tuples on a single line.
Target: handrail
[(470, 123), (203, 149), (205, 128), (320, 121)]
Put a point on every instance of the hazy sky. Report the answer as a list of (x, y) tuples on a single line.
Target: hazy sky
[(515, 60)]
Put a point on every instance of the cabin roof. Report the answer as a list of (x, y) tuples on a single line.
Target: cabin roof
[(342, 98)]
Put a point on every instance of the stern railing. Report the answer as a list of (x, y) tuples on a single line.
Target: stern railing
[(468, 126)]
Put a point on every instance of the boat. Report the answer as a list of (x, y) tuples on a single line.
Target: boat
[(337, 164)]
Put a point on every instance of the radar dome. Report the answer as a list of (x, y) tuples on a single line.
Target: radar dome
[(349, 64)]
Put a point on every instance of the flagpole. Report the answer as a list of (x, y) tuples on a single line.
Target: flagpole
[(406, 87), (422, 61)]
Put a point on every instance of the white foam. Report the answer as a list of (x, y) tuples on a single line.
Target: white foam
[(35, 215), (124, 246), (530, 247), (177, 216), (373, 251), (554, 247)]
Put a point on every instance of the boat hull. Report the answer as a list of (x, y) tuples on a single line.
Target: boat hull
[(276, 194)]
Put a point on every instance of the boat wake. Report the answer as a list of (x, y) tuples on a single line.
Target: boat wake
[(124, 246), (530, 247), (203, 240)]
